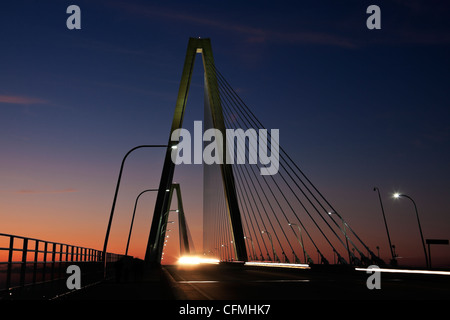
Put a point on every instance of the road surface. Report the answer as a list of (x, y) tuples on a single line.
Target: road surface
[(231, 282)]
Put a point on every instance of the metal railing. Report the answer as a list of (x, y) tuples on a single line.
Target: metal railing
[(28, 261)]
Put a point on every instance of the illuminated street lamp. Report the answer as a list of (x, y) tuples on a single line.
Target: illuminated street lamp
[(393, 261), (275, 257), (132, 219), (397, 196), (345, 234), (253, 247), (108, 229), (300, 240), (225, 252), (164, 230)]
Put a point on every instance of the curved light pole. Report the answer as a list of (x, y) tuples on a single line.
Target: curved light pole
[(275, 257), (165, 230), (345, 234), (393, 261), (117, 191), (132, 219), (300, 240), (253, 247), (398, 195), (225, 254)]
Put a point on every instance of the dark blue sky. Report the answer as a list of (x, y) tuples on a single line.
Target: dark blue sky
[(356, 108)]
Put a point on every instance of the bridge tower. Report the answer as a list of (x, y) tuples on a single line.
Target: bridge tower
[(157, 230), (182, 225)]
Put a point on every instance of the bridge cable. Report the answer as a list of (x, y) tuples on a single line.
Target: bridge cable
[(265, 211), (222, 80), (248, 111), (273, 211)]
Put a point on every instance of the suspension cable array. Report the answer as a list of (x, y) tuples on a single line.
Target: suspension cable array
[(285, 217)]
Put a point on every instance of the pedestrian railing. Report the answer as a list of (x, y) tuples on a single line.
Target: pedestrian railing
[(28, 261)]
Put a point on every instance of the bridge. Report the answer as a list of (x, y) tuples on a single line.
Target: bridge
[(268, 232)]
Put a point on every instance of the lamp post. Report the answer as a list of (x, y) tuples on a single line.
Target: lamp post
[(300, 240), (225, 254), (132, 219), (345, 234), (117, 191), (275, 257), (253, 247), (398, 195), (165, 230), (393, 261)]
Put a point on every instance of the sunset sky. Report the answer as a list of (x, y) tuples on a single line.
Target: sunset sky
[(356, 109)]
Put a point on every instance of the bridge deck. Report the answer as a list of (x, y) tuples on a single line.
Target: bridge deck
[(229, 282)]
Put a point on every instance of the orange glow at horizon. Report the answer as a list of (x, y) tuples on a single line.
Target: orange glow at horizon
[(77, 214)]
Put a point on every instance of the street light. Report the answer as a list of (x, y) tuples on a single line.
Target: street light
[(253, 247), (393, 261), (275, 257), (165, 230), (345, 234), (132, 219), (397, 196), (225, 252), (117, 191), (300, 240)]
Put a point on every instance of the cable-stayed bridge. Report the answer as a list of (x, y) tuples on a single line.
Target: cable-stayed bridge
[(259, 211)]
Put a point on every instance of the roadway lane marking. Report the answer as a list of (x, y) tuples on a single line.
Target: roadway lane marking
[(192, 285), (274, 264), (250, 281), (199, 281), (290, 280), (444, 273)]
